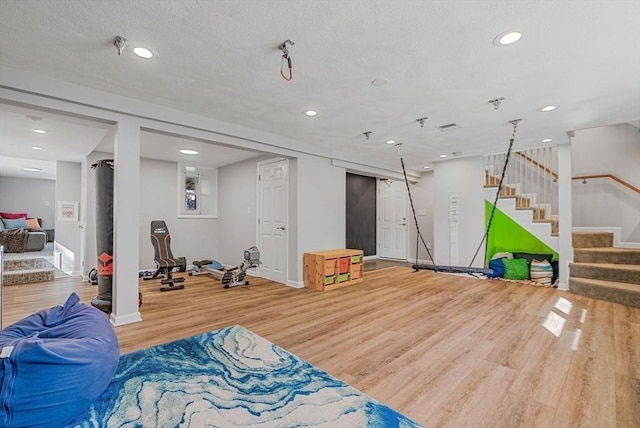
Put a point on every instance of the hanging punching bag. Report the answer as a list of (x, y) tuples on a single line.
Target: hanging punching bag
[(104, 232)]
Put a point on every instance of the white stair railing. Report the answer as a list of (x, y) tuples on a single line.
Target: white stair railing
[(531, 177)]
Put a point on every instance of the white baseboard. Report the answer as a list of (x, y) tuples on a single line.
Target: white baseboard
[(125, 319), (295, 284)]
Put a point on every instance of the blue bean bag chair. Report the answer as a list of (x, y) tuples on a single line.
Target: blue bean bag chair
[(54, 364)]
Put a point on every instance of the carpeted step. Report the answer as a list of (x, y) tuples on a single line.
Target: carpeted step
[(27, 276), (28, 264), (617, 292), (591, 239), (606, 271), (612, 255)]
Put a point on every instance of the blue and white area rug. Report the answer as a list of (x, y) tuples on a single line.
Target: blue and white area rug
[(230, 378)]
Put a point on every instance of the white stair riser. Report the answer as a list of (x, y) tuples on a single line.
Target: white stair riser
[(524, 218)]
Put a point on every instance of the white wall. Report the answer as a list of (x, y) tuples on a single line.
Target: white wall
[(30, 195), (423, 199), (602, 202), (321, 208), (195, 239), (464, 178), (237, 210), (67, 237)]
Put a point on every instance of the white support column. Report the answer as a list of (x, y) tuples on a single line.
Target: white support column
[(126, 240), (565, 245)]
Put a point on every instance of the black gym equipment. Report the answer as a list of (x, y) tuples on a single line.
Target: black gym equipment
[(485, 239), (165, 262), (104, 232), (228, 277)]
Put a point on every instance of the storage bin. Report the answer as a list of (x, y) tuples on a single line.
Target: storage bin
[(328, 280), (356, 274), (356, 259), (343, 277), (344, 264), (329, 267)]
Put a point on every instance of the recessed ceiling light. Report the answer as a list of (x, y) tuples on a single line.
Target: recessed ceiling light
[(39, 131), (188, 152), (507, 38), (32, 169), (36, 147), (443, 156), (548, 108), (142, 52), (547, 140), (379, 81), (310, 113), (391, 141), (426, 167)]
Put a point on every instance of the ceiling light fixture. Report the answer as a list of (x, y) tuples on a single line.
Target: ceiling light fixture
[(443, 156), (32, 169), (507, 38), (381, 81), (548, 108), (39, 131), (546, 140), (426, 167), (188, 152), (143, 52), (310, 113), (36, 148), (391, 141)]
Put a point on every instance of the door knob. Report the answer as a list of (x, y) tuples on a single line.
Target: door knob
[(280, 228), (403, 224)]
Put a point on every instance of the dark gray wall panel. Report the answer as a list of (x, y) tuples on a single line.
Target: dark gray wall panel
[(361, 213)]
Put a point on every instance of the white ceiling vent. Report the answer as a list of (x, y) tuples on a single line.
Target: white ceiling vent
[(447, 127)]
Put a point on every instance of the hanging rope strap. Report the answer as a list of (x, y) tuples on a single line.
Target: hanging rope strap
[(287, 58), (485, 238), (413, 210)]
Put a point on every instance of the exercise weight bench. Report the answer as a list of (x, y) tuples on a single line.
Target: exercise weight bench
[(228, 277), (165, 262)]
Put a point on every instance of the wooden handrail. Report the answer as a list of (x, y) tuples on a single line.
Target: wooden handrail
[(611, 176), (539, 165), (579, 177)]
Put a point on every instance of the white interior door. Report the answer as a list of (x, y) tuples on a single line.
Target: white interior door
[(273, 206), (392, 219)]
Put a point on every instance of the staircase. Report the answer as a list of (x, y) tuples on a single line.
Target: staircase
[(529, 193), (524, 209), (603, 271), (26, 270)]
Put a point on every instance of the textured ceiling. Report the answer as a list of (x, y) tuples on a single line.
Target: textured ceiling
[(219, 59)]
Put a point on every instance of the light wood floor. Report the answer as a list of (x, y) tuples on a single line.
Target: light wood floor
[(444, 350)]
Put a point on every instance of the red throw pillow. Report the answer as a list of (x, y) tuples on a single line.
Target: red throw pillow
[(13, 216)]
